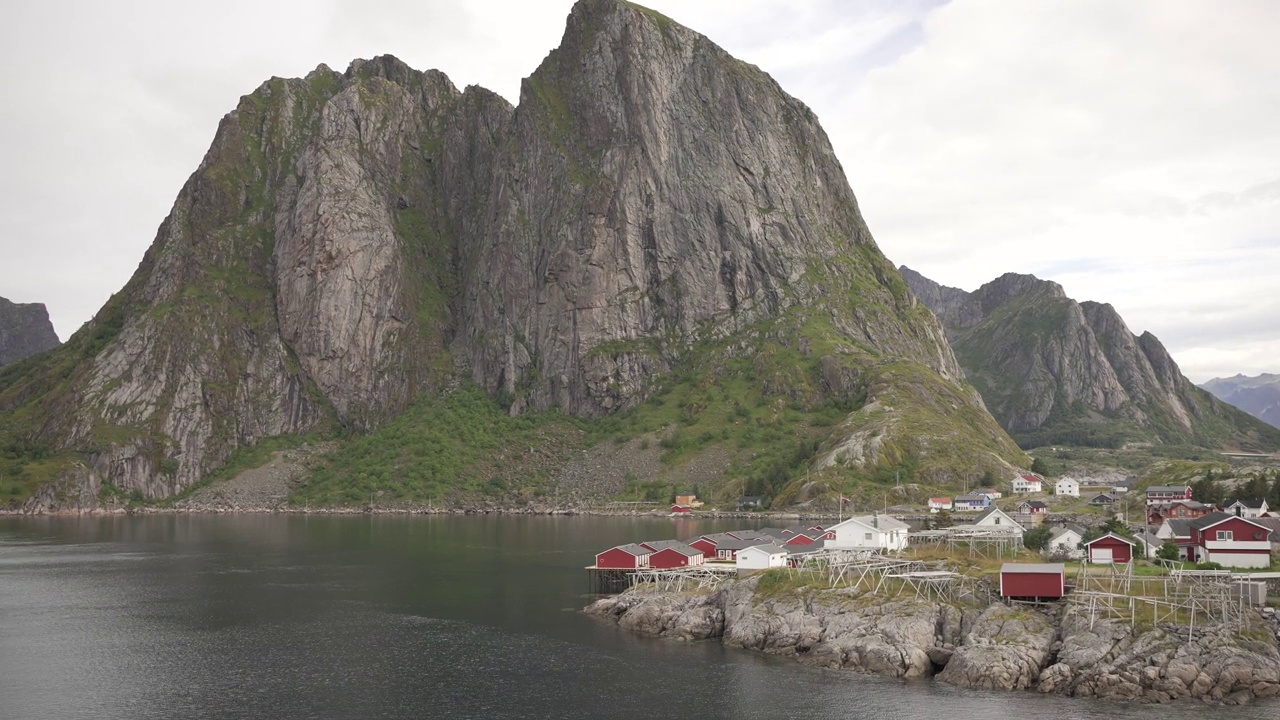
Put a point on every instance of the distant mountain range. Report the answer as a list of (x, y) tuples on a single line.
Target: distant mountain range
[(1052, 370), (25, 330), (1259, 396)]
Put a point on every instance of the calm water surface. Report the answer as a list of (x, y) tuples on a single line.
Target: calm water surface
[(390, 617)]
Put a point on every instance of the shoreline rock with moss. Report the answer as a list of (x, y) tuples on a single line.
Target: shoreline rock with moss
[(967, 643)]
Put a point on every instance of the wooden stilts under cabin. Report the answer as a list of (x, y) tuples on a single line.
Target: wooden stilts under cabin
[(607, 581)]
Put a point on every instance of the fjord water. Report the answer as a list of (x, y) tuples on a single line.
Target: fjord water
[(254, 616)]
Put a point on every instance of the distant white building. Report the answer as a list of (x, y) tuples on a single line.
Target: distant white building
[(1067, 486), (939, 504), (761, 557), (1026, 484), (869, 532)]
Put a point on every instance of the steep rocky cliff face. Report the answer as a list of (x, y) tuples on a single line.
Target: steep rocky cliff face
[(25, 330), (1053, 370), (351, 240), (1259, 396)]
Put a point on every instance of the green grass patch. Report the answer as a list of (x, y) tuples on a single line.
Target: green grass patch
[(440, 447)]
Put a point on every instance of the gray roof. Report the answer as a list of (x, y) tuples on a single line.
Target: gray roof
[(1270, 522), (1169, 488), (633, 549), (739, 543), (1180, 527), (1251, 503), (802, 549), (677, 545), (1059, 531), (1149, 539), (989, 512), (1048, 568), (769, 548), (969, 498), (1214, 518), (880, 521)]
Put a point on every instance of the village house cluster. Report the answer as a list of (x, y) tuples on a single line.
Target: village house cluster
[(760, 549), (1241, 534)]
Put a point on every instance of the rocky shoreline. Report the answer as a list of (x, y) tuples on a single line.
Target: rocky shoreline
[(968, 644)]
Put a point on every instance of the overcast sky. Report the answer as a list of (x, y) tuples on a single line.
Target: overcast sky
[(1127, 150)]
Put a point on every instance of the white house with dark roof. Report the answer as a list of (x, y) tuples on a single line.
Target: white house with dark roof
[(1247, 507), (761, 557), (870, 532), (1065, 540), (996, 519)]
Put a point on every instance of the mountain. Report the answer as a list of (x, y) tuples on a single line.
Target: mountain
[(657, 231), (1259, 396), (1055, 371), (25, 330)]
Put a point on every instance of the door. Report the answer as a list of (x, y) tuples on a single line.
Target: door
[(1101, 555)]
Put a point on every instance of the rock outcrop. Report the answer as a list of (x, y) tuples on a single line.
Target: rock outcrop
[(351, 240), (1053, 370), (25, 330), (991, 648)]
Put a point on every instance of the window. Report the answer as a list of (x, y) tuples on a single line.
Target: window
[(997, 521), (866, 536), (1225, 535)]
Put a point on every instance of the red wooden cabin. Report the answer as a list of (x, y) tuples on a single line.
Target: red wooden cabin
[(1033, 581), (1110, 548), (624, 557)]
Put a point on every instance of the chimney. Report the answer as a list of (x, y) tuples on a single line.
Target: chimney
[(875, 519)]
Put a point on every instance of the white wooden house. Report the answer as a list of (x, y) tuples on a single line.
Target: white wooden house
[(1026, 484), (939, 504), (1251, 509), (761, 557), (1067, 486), (995, 518), (1065, 540), (869, 532)]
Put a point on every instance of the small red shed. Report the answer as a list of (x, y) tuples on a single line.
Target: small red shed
[(1033, 581), (799, 539), (681, 509), (1110, 548), (624, 557)]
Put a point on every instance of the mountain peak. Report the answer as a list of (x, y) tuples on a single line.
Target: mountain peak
[(25, 330), (1056, 371)]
